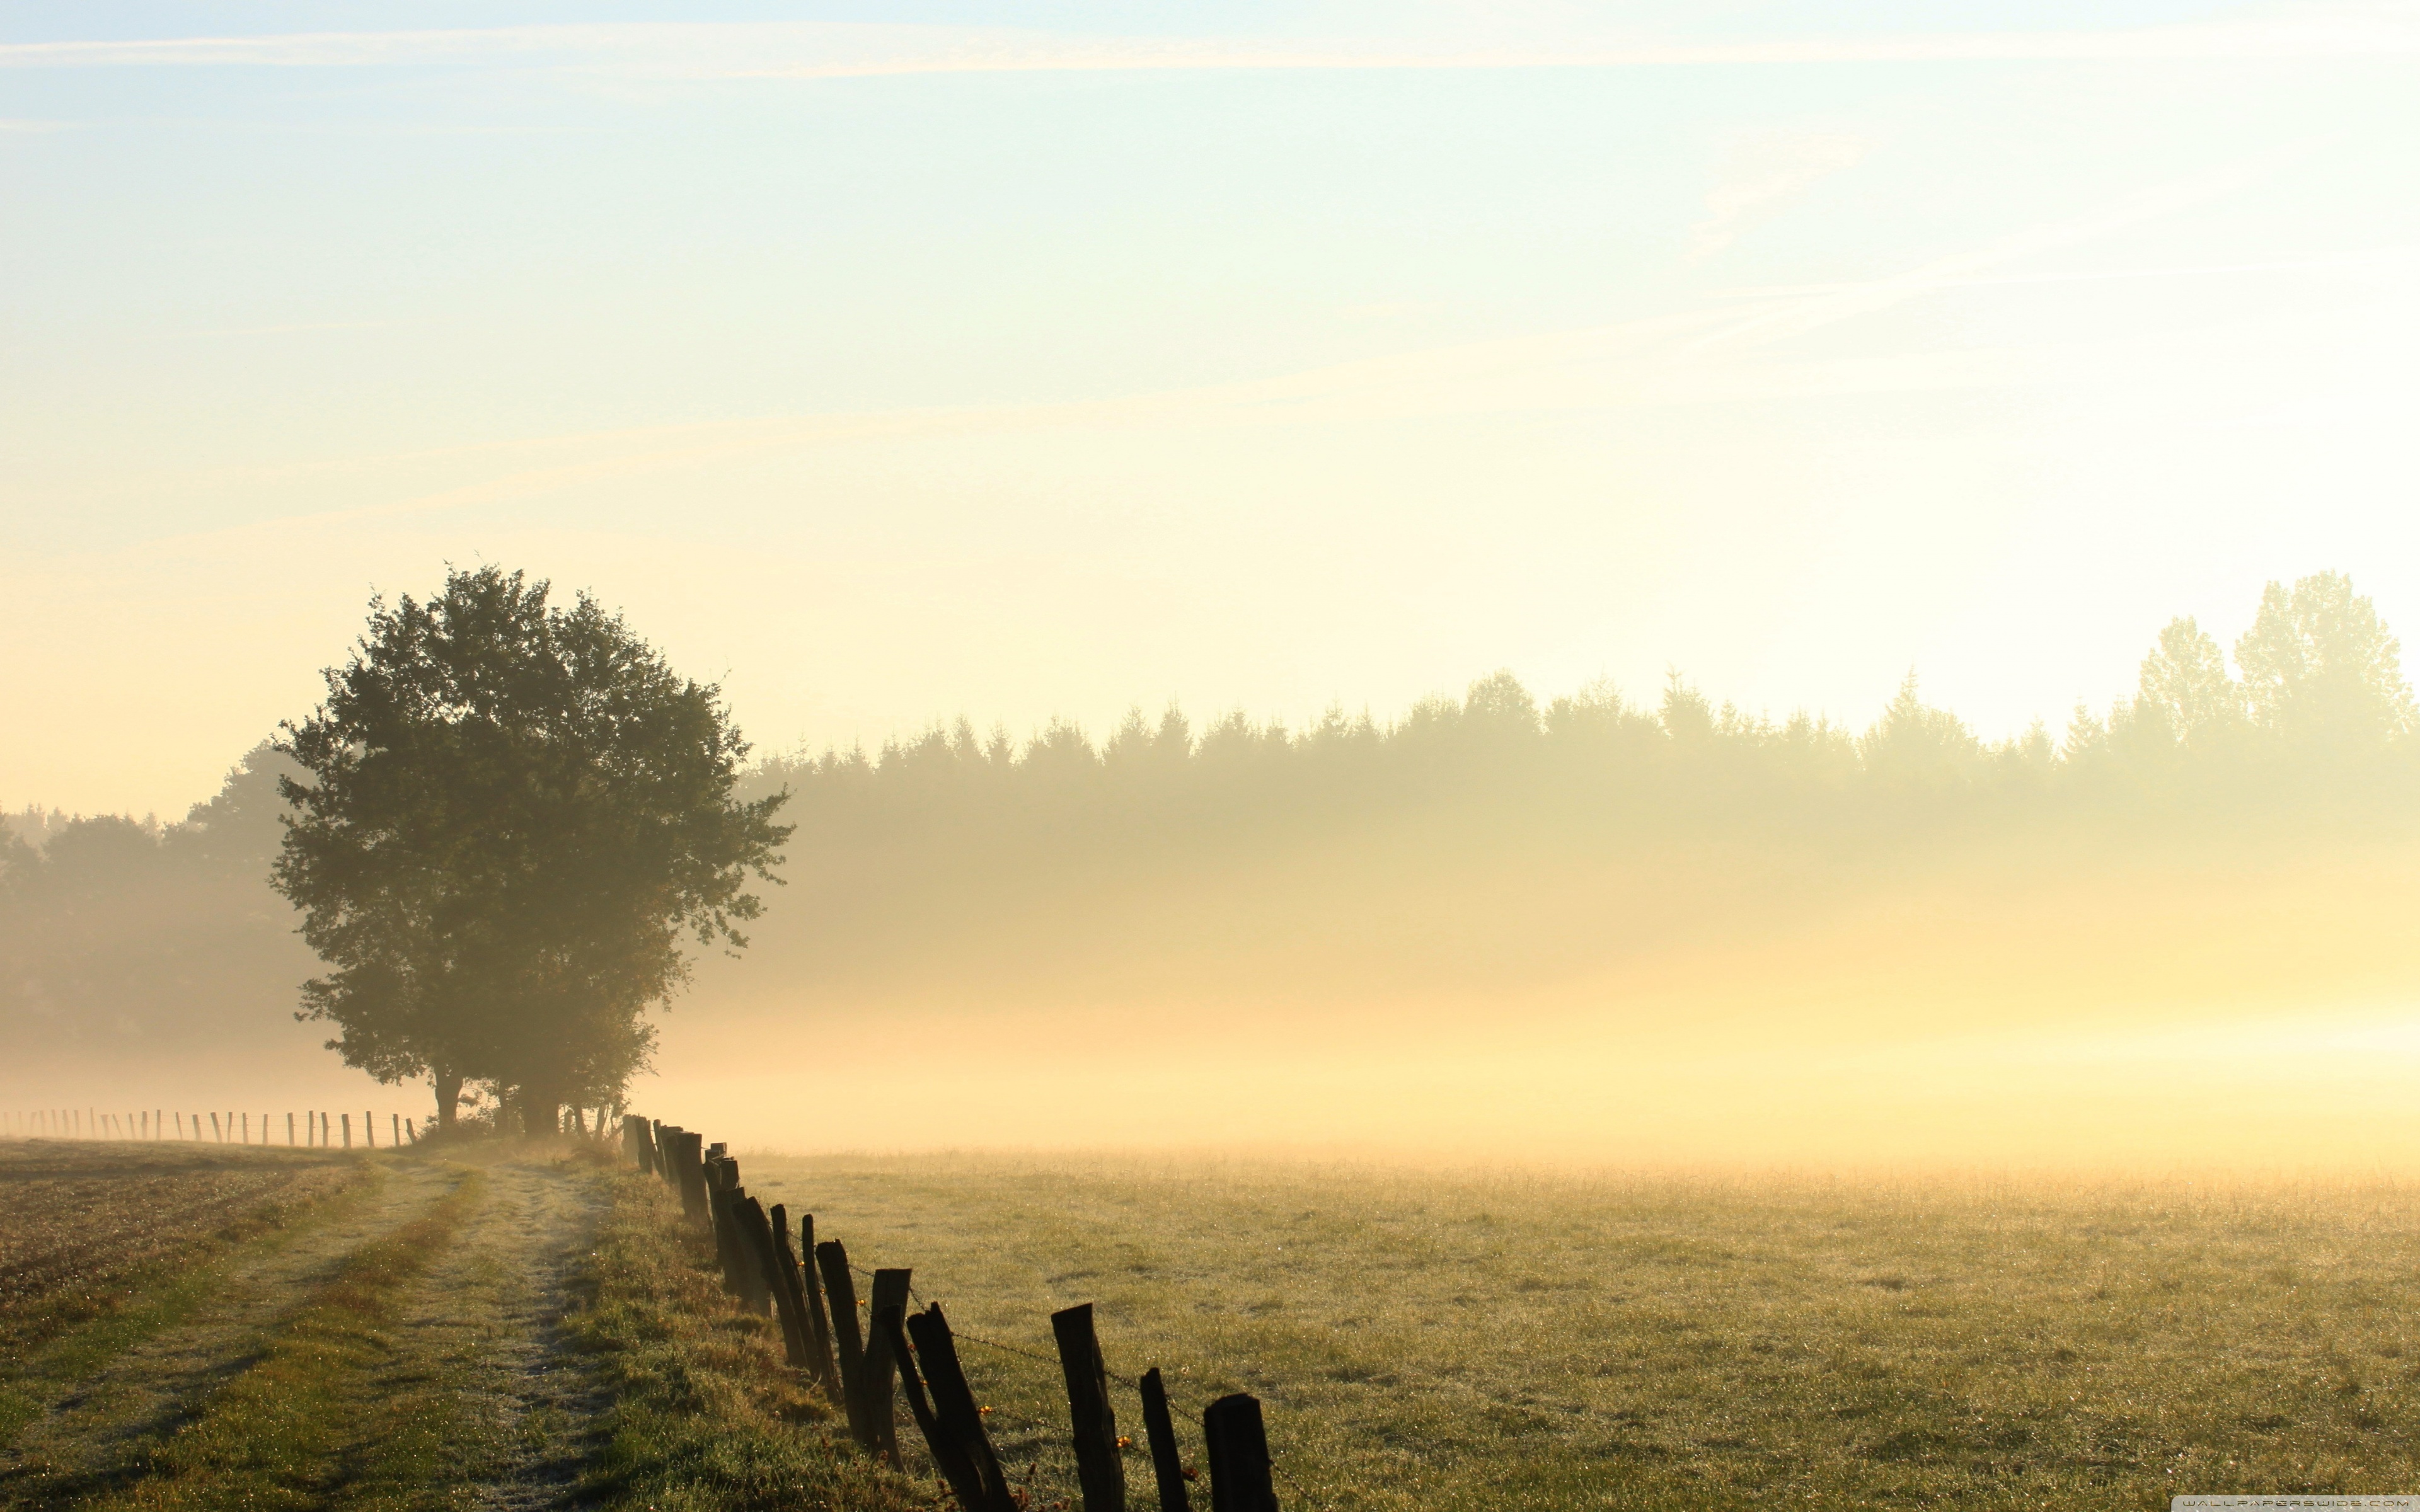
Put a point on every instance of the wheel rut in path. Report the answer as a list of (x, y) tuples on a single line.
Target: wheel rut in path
[(487, 1320)]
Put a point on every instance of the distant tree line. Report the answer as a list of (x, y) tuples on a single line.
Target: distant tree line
[(2316, 713), (944, 851)]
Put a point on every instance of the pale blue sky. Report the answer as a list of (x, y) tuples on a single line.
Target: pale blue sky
[(1022, 360)]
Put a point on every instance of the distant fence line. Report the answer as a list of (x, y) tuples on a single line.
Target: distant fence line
[(914, 1355), (314, 1130)]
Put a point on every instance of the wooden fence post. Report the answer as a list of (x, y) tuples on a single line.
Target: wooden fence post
[(815, 1357), (684, 1153), (880, 1385), (740, 1272), (755, 1289), (949, 1456), (848, 1344), (667, 1161), (819, 1326), (1167, 1465), (758, 1228), (1100, 1471), (711, 1169), (693, 1196), (955, 1409), (1236, 1444)]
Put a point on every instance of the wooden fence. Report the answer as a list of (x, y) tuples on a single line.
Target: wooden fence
[(315, 1130), (906, 1354)]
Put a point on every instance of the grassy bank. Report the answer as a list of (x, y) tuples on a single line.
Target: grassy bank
[(1512, 1343), (705, 1417)]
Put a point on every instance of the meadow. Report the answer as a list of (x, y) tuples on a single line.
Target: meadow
[(506, 1322), (229, 1325), (1511, 1340)]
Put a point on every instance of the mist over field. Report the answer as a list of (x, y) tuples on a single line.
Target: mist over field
[(1596, 926), (821, 757), (1201, 512)]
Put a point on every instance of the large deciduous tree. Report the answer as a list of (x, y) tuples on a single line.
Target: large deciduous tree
[(513, 820), (2321, 670), (2184, 691)]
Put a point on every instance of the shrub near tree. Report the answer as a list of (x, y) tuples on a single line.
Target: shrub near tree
[(513, 821)]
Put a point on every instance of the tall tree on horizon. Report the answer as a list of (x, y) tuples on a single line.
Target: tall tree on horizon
[(513, 818), (2185, 688), (2322, 670)]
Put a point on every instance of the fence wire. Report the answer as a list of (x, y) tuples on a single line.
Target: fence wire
[(1046, 1431), (1130, 1383)]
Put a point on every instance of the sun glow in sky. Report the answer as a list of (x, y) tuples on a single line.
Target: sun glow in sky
[(896, 363)]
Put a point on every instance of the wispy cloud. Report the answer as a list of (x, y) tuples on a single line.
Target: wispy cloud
[(841, 50), (299, 329), (1763, 174), (1800, 314), (1734, 346)]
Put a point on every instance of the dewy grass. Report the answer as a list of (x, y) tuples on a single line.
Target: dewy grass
[(705, 1416), (1516, 1342), (196, 1280), (295, 1431), (86, 1231)]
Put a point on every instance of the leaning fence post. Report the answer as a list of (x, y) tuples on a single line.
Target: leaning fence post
[(1167, 1465), (784, 1270), (740, 1271), (1236, 1444), (746, 1275), (954, 1406), (1100, 1473), (881, 1410), (832, 1260), (759, 1229), (667, 1162), (948, 1456), (820, 1342)]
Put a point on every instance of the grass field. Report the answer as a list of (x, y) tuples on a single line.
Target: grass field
[(229, 1326), (1529, 1342), (86, 1226), (474, 1325), (512, 1325)]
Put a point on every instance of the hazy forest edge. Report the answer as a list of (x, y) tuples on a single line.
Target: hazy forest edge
[(124, 935)]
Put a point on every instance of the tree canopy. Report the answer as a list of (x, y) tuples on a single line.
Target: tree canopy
[(512, 818)]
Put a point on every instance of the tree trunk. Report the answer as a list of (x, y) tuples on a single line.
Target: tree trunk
[(449, 1097), (541, 1108)]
